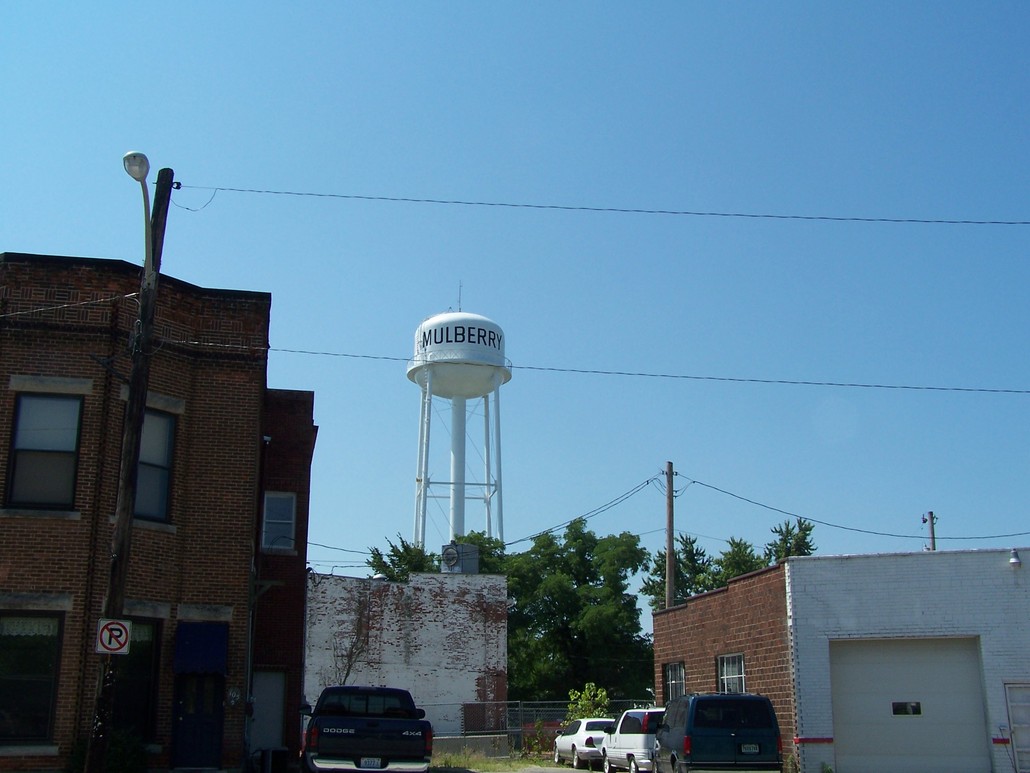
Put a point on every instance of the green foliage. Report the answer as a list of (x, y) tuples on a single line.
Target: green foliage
[(572, 618), (693, 570), (696, 572), (739, 558), (491, 551), (792, 539), (591, 701), (402, 560)]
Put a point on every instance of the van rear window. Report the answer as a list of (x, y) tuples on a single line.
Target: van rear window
[(732, 713)]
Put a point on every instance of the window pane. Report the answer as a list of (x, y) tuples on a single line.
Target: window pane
[(47, 423), (46, 439), (153, 476), (278, 524), (43, 478), (28, 674)]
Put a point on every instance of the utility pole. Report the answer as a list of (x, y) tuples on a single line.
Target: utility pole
[(132, 433), (931, 519), (670, 561)]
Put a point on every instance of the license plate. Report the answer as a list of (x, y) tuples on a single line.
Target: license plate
[(749, 748), (371, 762)]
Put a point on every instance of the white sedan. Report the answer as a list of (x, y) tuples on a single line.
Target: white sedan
[(580, 741)]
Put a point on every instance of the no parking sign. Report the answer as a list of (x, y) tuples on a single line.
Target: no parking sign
[(113, 636)]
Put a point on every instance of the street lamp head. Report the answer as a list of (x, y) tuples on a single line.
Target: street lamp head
[(137, 165)]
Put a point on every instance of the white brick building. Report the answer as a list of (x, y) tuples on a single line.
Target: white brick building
[(443, 637), (914, 662)]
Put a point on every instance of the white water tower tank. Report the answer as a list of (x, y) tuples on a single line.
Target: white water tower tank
[(459, 357)]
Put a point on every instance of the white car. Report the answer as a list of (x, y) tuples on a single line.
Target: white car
[(580, 741)]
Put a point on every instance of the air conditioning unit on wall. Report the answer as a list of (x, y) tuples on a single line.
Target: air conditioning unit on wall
[(459, 558)]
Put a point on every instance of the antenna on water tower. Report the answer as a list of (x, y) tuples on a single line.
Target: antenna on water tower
[(460, 356)]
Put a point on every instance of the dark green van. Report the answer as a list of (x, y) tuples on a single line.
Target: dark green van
[(718, 731)]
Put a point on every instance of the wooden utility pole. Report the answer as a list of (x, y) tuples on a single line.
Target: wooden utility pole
[(132, 433), (670, 560)]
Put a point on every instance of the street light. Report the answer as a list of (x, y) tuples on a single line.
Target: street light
[(137, 165)]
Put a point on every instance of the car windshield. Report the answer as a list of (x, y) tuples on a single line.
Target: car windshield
[(729, 713)]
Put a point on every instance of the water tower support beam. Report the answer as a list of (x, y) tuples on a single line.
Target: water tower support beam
[(488, 473), (422, 478), (457, 467), (497, 463)]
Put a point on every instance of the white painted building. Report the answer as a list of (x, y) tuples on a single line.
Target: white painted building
[(886, 663), (443, 637), (911, 662)]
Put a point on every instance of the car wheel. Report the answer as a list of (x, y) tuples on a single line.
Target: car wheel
[(606, 764), (633, 766), (577, 763)]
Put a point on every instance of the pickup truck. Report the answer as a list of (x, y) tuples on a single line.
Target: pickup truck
[(366, 729), (629, 743)]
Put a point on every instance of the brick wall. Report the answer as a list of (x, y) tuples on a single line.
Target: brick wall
[(210, 361), (748, 617), (443, 637)]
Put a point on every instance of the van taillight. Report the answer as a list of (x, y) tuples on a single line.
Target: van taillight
[(779, 745), (686, 745)]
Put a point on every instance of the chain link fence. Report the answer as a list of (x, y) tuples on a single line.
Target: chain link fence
[(523, 727)]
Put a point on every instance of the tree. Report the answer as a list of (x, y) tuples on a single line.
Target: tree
[(792, 539), (491, 551), (402, 560), (591, 701), (572, 619), (739, 558), (693, 573)]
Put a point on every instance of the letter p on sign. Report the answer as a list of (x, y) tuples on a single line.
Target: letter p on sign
[(113, 637)]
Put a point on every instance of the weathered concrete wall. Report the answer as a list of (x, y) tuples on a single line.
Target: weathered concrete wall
[(443, 637)]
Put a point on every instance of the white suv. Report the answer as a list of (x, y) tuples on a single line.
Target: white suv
[(629, 743)]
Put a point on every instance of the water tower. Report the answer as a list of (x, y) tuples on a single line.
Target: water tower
[(460, 357)]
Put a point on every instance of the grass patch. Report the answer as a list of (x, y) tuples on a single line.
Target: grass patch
[(468, 760)]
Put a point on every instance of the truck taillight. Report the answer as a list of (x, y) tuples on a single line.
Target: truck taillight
[(779, 745), (311, 740), (427, 736), (687, 744)]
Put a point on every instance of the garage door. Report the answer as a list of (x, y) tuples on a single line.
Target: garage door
[(908, 705)]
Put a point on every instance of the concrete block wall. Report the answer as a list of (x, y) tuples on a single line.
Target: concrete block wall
[(930, 594), (443, 637)]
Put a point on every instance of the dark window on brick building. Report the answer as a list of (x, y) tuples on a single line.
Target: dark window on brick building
[(44, 451), (135, 688), (675, 681), (731, 673), (29, 659), (154, 479), (277, 531)]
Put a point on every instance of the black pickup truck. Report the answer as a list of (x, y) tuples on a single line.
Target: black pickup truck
[(367, 729)]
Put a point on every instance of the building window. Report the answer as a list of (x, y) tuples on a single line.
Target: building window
[(674, 681), (280, 515), (135, 689), (154, 476), (731, 673), (45, 451), (29, 658)]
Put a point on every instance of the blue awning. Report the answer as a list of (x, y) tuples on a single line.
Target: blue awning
[(201, 648)]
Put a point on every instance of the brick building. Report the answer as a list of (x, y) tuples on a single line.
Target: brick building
[(219, 532), (897, 662)]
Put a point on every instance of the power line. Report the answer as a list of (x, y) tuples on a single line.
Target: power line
[(613, 210)]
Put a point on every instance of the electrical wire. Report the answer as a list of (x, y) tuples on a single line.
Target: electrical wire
[(610, 210)]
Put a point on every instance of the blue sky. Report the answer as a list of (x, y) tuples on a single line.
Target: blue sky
[(883, 111)]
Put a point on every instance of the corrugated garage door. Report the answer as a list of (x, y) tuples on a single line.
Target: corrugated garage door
[(908, 705)]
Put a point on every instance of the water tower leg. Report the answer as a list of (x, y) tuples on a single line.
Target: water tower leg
[(422, 470), (487, 471), (457, 467), (497, 464)]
